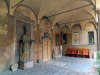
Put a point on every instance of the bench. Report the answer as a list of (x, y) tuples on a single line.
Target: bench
[(74, 52), (86, 53), (69, 51), (78, 52)]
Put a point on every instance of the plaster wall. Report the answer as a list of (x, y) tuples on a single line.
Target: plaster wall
[(84, 40)]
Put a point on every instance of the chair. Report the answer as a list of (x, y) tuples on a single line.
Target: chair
[(86, 53), (69, 51), (74, 52), (80, 52)]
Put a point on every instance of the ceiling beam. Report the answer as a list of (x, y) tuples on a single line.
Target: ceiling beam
[(17, 4)]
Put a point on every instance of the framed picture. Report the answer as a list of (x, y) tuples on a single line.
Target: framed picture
[(76, 39)]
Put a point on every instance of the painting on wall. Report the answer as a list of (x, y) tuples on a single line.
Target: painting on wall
[(3, 17), (76, 38), (4, 53)]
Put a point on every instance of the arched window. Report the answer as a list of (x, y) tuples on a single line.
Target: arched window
[(65, 31), (57, 35), (90, 33)]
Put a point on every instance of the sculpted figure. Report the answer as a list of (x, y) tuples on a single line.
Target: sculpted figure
[(25, 46)]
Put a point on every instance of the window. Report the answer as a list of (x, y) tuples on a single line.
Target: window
[(57, 39), (64, 38), (91, 37)]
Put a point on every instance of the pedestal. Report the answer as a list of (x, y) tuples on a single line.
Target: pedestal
[(61, 50), (26, 65), (56, 53), (61, 53)]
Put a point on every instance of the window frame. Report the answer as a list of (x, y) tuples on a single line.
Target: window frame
[(66, 39), (93, 37), (59, 39)]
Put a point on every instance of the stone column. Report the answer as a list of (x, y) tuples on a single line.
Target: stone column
[(56, 53), (52, 44), (32, 38), (11, 38), (38, 40), (99, 31), (60, 50)]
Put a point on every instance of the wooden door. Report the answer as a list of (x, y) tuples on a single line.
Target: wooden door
[(46, 49)]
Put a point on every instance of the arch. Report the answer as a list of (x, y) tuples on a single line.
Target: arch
[(66, 28), (77, 26), (45, 24), (7, 5), (56, 28), (44, 17), (33, 16), (90, 26)]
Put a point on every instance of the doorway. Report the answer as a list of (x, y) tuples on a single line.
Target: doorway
[(47, 53)]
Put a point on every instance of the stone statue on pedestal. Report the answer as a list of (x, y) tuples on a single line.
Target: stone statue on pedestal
[(25, 50), (25, 46)]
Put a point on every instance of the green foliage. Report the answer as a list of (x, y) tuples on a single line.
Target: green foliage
[(98, 61)]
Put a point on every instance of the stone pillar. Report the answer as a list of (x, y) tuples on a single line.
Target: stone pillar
[(56, 53), (11, 37), (38, 40), (60, 50), (52, 43), (99, 32), (32, 38)]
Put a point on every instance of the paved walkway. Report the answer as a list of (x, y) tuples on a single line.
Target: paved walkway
[(60, 66)]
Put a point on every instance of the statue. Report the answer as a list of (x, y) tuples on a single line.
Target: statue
[(25, 46), (25, 61)]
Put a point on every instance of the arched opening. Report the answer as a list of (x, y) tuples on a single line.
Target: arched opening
[(90, 37), (23, 24), (76, 34), (65, 31), (57, 35), (45, 38), (56, 38), (24, 11), (89, 31)]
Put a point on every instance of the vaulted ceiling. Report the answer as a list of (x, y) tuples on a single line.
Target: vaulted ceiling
[(51, 7)]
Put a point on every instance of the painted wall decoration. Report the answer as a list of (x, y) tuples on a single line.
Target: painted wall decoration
[(76, 38), (3, 17), (3, 34)]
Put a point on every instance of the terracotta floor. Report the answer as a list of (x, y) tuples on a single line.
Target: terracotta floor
[(60, 66)]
